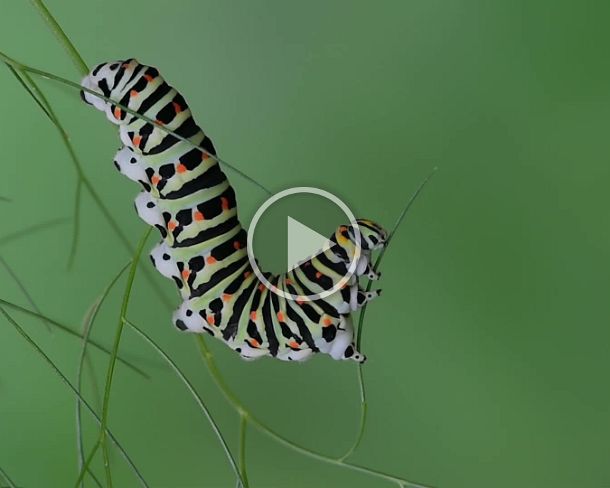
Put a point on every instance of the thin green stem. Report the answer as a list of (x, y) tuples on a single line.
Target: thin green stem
[(195, 395), (362, 422), (95, 479), (6, 477), (74, 55), (31, 229), (23, 289), (242, 410), (67, 382), (106, 460), (21, 80), (207, 355), (389, 239), (72, 332), (243, 425), (363, 403), (75, 224), (115, 350), (87, 328), (86, 466)]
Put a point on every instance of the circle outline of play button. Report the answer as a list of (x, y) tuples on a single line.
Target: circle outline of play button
[(312, 191)]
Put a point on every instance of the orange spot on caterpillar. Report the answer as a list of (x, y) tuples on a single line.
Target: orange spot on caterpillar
[(198, 216), (254, 343), (225, 203), (318, 275), (117, 112), (211, 320), (237, 245), (155, 179), (247, 273), (171, 225), (211, 260), (280, 316), (288, 281), (204, 155), (294, 344), (148, 78), (177, 107), (226, 297), (137, 140), (253, 315), (327, 321), (180, 168), (133, 93), (186, 273), (300, 301), (261, 287)]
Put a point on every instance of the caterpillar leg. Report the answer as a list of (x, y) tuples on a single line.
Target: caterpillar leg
[(128, 164), (300, 355), (366, 296), (249, 353), (162, 260), (370, 273), (343, 339), (147, 210), (187, 319), (352, 353), (359, 297)]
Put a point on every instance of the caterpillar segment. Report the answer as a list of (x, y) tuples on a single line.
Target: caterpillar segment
[(188, 198)]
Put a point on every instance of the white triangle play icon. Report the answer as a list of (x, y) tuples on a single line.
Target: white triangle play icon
[(303, 242)]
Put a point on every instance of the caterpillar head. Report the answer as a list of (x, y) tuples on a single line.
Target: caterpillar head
[(107, 79), (372, 235)]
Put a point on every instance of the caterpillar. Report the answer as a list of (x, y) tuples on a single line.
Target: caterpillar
[(188, 198)]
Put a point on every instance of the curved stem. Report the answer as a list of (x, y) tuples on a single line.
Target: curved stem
[(115, 350), (70, 331), (242, 410), (88, 327), (390, 237), (362, 423), (363, 404), (86, 465), (195, 395), (67, 382), (24, 290), (75, 224)]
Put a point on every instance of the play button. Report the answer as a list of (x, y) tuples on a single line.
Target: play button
[(303, 242)]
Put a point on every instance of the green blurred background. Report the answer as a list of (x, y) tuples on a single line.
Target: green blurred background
[(488, 352)]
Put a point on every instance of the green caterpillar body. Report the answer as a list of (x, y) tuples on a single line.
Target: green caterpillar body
[(188, 198)]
